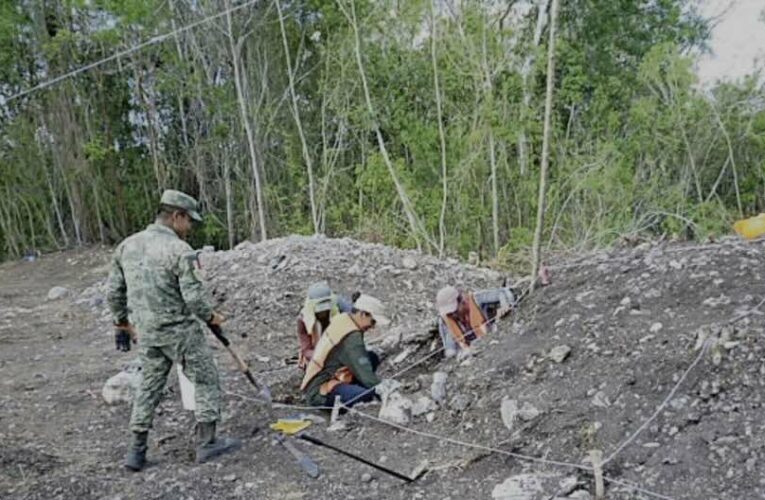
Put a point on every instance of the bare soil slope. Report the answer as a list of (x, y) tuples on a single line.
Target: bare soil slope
[(629, 319)]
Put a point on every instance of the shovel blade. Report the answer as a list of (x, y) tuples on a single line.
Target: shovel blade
[(263, 390), (309, 466), (305, 462), (265, 393)]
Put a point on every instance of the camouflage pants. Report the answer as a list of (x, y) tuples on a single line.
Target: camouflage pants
[(194, 355)]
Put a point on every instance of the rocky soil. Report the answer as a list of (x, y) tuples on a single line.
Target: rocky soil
[(580, 365)]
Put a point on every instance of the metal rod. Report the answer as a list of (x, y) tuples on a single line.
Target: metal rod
[(318, 442)]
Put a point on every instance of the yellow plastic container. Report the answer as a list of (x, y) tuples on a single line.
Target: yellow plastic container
[(751, 228)]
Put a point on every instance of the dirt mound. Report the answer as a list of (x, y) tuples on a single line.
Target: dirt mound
[(583, 364), (268, 281), (262, 287)]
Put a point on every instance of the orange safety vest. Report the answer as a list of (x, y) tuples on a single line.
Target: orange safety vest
[(314, 330), (476, 319), (340, 327)]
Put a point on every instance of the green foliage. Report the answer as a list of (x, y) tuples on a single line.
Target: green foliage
[(711, 219), (514, 255), (636, 146), (212, 231)]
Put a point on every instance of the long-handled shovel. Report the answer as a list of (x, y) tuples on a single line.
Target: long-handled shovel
[(263, 389)]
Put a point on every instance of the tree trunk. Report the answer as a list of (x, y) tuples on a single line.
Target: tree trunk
[(523, 147), (229, 202), (494, 195), (62, 157), (49, 180), (7, 226), (149, 127), (441, 134), (415, 225), (235, 56), (731, 158), (93, 176), (298, 122), (488, 90), (56, 208), (545, 145), (181, 107)]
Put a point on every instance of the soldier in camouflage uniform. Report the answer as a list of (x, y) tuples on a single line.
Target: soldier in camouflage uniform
[(156, 294)]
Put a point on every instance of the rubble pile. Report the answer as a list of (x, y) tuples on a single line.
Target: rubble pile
[(261, 287)]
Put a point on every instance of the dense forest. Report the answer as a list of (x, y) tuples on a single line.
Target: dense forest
[(417, 123)]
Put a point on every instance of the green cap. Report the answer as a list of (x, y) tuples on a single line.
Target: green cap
[(183, 201)]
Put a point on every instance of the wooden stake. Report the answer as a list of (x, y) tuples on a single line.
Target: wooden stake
[(335, 410), (596, 457)]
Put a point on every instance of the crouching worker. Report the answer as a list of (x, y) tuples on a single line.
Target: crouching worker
[(320, 307), (464, 317), (341, 365)]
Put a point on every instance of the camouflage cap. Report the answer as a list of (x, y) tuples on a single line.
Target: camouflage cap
[(181, 200)]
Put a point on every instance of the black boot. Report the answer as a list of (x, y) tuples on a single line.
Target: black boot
[(136, 455), (209, 447)]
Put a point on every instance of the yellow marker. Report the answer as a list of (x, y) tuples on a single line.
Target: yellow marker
[(751, 228), (290, 426)]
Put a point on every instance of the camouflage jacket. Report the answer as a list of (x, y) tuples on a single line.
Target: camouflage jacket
[(153, 283)]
